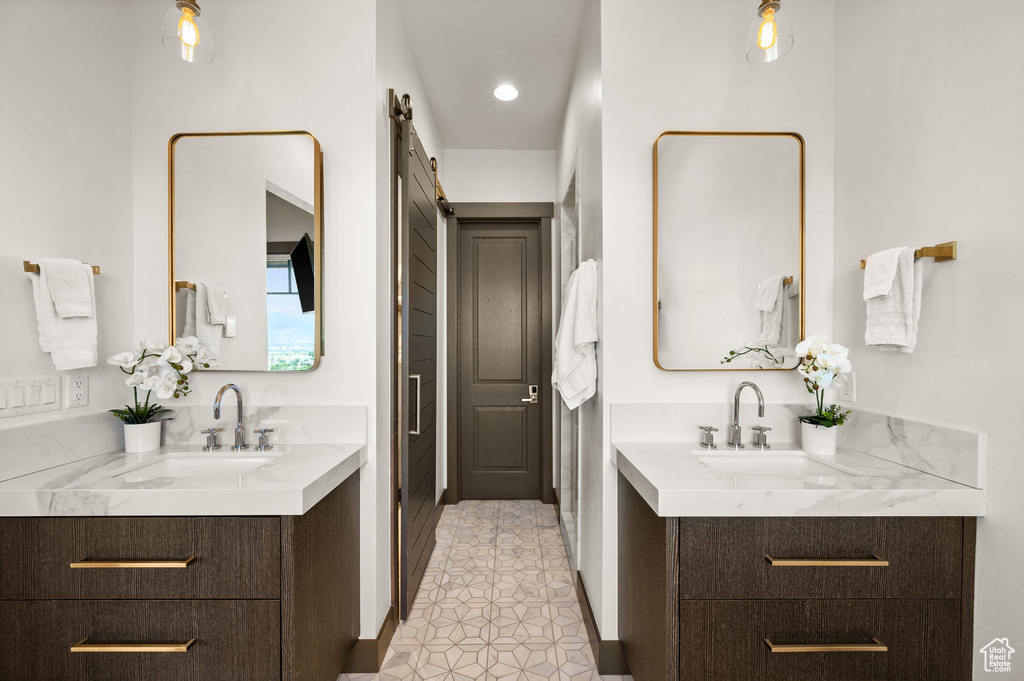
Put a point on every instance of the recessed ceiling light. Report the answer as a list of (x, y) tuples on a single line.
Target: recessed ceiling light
[(506, 92)]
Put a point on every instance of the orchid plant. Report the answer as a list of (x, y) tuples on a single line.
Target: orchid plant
[(823, 365), (158, 368)]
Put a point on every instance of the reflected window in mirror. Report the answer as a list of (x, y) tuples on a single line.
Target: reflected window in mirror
[(728, 250)]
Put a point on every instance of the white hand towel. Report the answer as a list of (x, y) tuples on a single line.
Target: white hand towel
[(216, 302), (69, 283), (207, 333), (190, 313), (575, 363), (880, 272), (71, 342), (771, 307), (892, 320)]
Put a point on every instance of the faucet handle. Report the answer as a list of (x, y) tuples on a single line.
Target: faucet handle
[(708, 438), (264, 440), (760, 437), (211, 439)]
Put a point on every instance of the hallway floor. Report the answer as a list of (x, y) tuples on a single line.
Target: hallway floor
[(497, 602)]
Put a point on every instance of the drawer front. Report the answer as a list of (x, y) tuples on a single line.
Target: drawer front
[(725, 640), (234, 640), (726, 557), (232, 558)]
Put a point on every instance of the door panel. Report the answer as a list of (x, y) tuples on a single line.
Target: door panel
[(500, 328), (419, 359)]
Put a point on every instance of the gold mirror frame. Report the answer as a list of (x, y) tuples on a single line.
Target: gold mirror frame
[(803, 191), (318, 228)]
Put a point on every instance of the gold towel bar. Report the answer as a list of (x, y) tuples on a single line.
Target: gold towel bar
[(83, 647), (941, 253), (32, 267), (178, 285), (874, 561), (86, 563), (876, 647)]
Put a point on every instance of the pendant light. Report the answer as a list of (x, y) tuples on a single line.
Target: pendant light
[(770, 34), (185, 33)]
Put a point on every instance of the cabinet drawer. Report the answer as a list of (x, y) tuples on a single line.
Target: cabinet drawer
[(233, 558), (726, 640), (233, 640), (726, 557)]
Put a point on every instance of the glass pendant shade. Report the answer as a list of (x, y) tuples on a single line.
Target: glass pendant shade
[(770, 35), (185, 33)]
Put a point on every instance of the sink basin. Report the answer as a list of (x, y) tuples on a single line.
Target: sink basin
[(782, 464), (206, 467)]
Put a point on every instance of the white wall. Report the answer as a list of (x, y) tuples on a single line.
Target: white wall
[(928, 149), (316, 74), (65, 177), (674, 66), (501, 175), (580, 151)]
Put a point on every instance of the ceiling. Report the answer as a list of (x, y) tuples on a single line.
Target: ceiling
[(466, 48)]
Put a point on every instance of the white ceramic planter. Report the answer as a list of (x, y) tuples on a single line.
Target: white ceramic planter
[(141, 437), (818, 439)]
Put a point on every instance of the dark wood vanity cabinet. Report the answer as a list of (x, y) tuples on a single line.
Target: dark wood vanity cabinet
[(700, 599), (265, 598)]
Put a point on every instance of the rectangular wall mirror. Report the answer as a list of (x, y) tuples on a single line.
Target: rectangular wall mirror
[(246, 247), (728, 250)]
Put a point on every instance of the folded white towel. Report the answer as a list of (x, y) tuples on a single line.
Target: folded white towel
[(880, 272), (771, 307), (892, 319), (575, 363), (216, 305), (71, 342), (70, 284), (190, 313), (207, 333)]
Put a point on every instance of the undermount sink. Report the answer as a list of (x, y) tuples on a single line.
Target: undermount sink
[(769, 464), (207, 467)]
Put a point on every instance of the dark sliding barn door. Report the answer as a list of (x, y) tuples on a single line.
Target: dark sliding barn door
[(500, 334), (418, 236)]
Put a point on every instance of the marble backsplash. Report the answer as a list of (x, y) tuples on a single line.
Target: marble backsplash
[(951, 453), (38, 446)]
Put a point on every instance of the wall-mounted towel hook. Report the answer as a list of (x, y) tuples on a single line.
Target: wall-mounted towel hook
[(941, 253), (32, 267), (178, 285)]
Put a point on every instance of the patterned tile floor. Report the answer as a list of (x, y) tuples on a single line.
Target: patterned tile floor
[(497, 603)]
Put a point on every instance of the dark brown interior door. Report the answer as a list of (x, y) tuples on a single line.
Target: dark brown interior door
[(419, 363), (500, 328)]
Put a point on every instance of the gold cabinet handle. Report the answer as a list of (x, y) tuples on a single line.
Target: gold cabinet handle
[(84, 647), (87, 563), (876, 647), (874, 561)]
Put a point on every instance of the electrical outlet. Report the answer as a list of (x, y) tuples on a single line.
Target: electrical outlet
[(848, 393), (76, 390)]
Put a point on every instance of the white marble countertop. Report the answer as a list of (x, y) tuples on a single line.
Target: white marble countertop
[(670, 477), (287, 480)]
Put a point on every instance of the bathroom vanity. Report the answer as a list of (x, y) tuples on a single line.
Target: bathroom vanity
[(848, 567), (176, 564)]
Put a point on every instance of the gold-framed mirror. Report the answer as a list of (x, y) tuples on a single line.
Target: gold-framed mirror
[(729, 278), (245, 244)]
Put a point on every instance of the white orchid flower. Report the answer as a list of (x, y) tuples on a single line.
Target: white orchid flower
[(152, 346), (202, 354), (187, 344), (135, 380), (163, 384), (186, 365), (170, 355), (812, 345), (125, 360)]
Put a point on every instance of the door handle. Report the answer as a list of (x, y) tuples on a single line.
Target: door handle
[(418, 379), (534, 395)]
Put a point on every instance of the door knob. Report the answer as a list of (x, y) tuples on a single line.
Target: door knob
[(534, 395)]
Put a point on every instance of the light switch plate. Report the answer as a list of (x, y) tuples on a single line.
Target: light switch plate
[(76, 390), (21, 396)]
